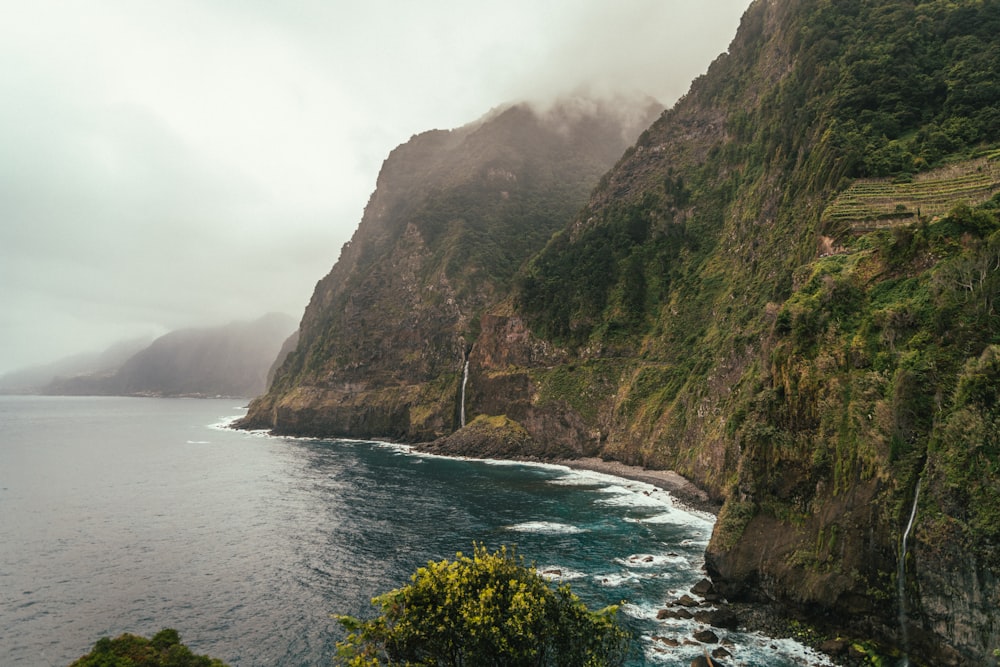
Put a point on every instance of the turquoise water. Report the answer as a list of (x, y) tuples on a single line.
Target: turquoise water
[(127, 514)]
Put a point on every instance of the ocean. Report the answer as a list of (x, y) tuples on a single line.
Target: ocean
[(136, 514)]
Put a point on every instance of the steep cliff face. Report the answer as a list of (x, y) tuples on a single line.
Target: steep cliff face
[(384, 340), (778, 293), (786, 290)]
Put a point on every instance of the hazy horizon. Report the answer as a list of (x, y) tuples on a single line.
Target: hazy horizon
[(170, 165)]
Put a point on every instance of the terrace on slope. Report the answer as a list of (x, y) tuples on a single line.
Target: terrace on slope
[(877, 203)]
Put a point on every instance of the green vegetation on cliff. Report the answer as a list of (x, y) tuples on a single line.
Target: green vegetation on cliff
[(876, 89), (807, 367), (786, 290)]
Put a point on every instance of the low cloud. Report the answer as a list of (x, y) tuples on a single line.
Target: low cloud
[(189, 163)]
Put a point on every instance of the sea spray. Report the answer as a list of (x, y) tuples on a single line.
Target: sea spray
[(901, 580)]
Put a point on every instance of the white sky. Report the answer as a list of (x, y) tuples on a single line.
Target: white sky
[(173, 163)]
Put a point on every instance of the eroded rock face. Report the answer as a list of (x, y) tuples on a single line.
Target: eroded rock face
[(383, 343), (506, 341), (954, 595)]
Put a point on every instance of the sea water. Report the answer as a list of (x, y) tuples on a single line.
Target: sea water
[(134, 514)]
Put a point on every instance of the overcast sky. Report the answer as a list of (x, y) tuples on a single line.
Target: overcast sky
[(172, 163)]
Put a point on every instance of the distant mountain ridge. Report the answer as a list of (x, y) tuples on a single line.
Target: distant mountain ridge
[(34, 379), (229, 360)]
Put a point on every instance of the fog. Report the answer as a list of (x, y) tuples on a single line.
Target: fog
[(188, 163)]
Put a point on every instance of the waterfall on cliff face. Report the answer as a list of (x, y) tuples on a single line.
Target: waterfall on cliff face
[(465, 379), (901, 580)]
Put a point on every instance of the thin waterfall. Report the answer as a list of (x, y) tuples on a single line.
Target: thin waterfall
[(465, 379), (901, 580)]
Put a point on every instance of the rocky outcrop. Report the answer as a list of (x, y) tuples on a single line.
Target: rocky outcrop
[(485, 437)]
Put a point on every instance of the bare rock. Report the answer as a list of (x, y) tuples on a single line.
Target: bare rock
[(702, 588), (721, 653), (834, 647), (706, 637), (667, 641)]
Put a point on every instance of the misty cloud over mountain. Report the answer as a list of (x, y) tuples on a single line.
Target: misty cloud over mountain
[(168, 165)]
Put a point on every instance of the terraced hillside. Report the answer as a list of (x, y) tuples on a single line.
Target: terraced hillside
[(870, 204)]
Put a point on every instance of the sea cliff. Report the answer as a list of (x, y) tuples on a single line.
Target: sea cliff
[(785, 290)]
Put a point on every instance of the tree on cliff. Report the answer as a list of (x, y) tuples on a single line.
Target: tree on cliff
[(485, 610), (163, 650)]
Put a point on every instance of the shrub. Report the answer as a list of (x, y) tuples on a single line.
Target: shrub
[(163, 650), (485, 610)]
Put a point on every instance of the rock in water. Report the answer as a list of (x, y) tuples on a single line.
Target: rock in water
[(706, 637), (702, 588)]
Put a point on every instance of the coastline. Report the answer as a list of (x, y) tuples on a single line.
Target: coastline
[(678, 486), (769, 619)]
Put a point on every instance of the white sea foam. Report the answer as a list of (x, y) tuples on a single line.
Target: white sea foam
[(397, 447), (623, 492), (786, 648), (226, 422), (618, 496), (680, 517), (651, 560), (692, 542), (198, 442), (645, 611), (581, 477), (410, 450), (530, 464), (616, 579), (559, 573), (747, 648), (658, 653), (546, 527)]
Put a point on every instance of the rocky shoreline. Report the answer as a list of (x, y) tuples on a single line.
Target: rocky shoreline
[(767, 619), (772, 620), (714, 614)]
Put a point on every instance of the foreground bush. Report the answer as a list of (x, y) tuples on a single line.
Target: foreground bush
[(488, 610), (163, 650)]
